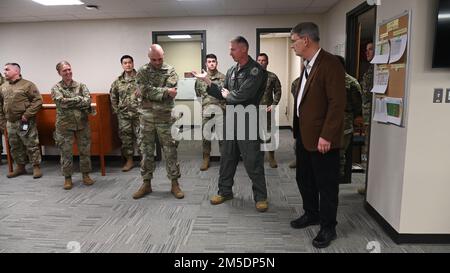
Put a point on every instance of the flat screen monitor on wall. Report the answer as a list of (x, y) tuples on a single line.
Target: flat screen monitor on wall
[(441, 55)]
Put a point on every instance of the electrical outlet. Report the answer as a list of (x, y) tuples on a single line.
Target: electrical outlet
[(447, 95), (438, 95)]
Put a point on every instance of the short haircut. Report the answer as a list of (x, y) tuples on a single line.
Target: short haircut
[(126, 57), (60, 64), (211, 56), (341, 59), (367, 43), (307, 29), (265, 55), (240, 40), (14, 64)]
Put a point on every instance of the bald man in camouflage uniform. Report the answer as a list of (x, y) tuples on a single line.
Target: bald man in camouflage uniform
[(271, 98), (125, 105), (20, 101), (2, 80), (353, 109), (157, 82), (208, 100), (73, 107)]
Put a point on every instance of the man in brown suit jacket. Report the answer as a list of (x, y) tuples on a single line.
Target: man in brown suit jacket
[(318, 126)]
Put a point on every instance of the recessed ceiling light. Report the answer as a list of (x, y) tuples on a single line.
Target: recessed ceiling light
[(179, 36), (91, 7), (58, 2)]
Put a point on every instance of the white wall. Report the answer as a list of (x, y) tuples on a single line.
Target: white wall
[(408, 172), (426, 191), (95, 47), (333, 31)]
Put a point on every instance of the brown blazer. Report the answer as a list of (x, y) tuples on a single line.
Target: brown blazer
[(323, 103)]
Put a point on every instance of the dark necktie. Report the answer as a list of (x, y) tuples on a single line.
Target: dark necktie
[(306, 69)]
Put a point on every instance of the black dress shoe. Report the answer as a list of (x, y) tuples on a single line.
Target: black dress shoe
[(305, 221), (324, 237)]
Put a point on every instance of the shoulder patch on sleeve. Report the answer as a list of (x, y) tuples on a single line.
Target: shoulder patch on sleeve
[(254, 71)]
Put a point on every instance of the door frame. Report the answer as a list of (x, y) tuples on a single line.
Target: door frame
[(260, 31), (351, 30), (202, 34)]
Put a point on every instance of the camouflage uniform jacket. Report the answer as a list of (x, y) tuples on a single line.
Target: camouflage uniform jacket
[(353, 107), (201, 89), (73, 105), (295, 86), (272, 94), (153, 85), (123, 95), (366, 86), (17, 99)]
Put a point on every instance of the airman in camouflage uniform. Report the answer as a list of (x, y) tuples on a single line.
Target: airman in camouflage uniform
[(73, 106), (294, 87), (157, 84), (207, 100), (1, 132), (366, 87), (271, 97), (20, 101), (125, 104), (352, 110)]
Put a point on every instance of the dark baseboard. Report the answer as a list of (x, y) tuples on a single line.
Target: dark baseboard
[(402, 238), (285, 128)]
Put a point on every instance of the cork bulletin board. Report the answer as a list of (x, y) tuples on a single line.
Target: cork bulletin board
[(390, 105)]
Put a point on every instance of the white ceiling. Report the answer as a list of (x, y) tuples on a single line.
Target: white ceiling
[(28, 11)]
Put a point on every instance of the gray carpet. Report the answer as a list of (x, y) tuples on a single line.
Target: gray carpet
[(39, 216)]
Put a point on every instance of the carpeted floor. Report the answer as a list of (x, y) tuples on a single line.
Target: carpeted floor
[(39, 216)]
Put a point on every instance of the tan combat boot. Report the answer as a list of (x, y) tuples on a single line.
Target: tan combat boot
[(87, 180), (272, 161), (145, 189), (205, 164), (20, 169), (293, 164), (176, 190), (362, 190), (37, 173), (128, 165), (68, 183)]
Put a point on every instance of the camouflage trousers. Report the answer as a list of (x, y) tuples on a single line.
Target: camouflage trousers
[(129, 134), (346, 139), (64, 141), (24, 145), (217, 119), (148, 133)]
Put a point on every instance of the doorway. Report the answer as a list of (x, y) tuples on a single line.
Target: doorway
[(275, 42), (361, 29), (185, 51)]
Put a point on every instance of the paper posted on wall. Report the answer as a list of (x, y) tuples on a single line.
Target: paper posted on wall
[(398, 47), (382, 52), (380, 81), (380, 113), (388, 110), (394, 110)]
